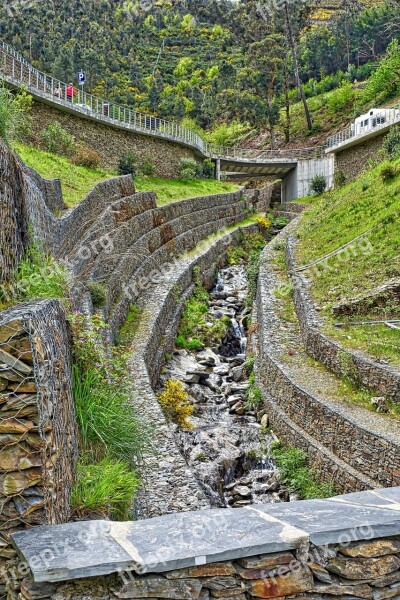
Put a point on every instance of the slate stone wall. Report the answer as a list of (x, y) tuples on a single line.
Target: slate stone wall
[(368, 570), (354, 161), (344, 449), (382, 379), (37, 424), (110, 143)]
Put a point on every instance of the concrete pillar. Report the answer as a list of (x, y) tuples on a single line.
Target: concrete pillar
[(218, 169)]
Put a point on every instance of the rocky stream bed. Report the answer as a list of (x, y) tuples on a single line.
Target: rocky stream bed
[(228, 447)]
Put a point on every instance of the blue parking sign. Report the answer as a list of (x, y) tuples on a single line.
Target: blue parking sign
[(81, 77)]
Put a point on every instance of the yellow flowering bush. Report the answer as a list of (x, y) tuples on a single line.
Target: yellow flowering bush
[(175, 403), (263, 222)]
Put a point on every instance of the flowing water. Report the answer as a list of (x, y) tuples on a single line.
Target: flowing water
[(227, 448)]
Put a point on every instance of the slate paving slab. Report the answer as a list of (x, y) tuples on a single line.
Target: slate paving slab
[(189, 539)]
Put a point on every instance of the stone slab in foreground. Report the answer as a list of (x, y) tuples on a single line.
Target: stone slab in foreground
[(177, 541)]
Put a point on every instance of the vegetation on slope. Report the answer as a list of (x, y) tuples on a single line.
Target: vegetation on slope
[(112, 437), (214, 61), (77, 181), (371, 206)]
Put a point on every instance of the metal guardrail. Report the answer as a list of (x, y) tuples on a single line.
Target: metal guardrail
[(382, 118), (18, 71)]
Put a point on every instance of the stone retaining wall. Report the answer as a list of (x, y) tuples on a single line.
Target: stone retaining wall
[(354, 161), (342, 448), (111, 143), (37, 425), (344, 547), (169, 484), (382, 379)]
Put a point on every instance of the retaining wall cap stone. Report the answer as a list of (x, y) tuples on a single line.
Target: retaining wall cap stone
[(174, 541)]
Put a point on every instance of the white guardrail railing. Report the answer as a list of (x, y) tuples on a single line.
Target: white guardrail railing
[(364, 126), (17, 71)]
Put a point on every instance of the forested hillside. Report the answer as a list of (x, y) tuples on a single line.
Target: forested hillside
[(205, 61)]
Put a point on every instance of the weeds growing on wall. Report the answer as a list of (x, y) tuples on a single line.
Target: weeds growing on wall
[(195, 330), (111, 434), (37, 277), (296, 475), (105, 488)]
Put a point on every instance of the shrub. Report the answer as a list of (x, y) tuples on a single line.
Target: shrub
[(389, 172), (263, 222), (227, 134), (57, 140), (208, 169), (318, 185), (189, 169), (254, 398), (106, 489), (364, 186), (98, 293), (249, 364), (147, 167), (292, 463), (127, 164), (384, 81), (85, 157), (339, 179), (15, 120), (175, 403), (391, 144)]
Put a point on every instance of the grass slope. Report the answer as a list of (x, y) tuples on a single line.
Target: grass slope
[(172, 190), (337, 218), (77, 181)]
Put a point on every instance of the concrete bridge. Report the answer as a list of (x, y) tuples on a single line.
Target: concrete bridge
[(294, 168)]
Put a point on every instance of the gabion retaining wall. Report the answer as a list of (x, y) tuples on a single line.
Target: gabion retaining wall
[(37, 424), (343, 448), (382, 379)]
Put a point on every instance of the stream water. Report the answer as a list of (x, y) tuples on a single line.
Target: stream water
[(227, 448)]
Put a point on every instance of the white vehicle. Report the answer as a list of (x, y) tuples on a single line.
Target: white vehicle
[(373, 119)]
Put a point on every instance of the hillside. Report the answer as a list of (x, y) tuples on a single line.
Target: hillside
[(210, 61), (368, 207)]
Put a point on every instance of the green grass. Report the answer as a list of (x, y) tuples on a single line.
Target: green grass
[(335, 219), (131, 325), (76, 182), (297, 476), (379, 341), (37, 277), (172, 190), (105, 416), (105, 489)]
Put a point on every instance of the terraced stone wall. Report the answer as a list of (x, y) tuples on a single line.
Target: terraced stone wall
[(351, 450), (384, 380)]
